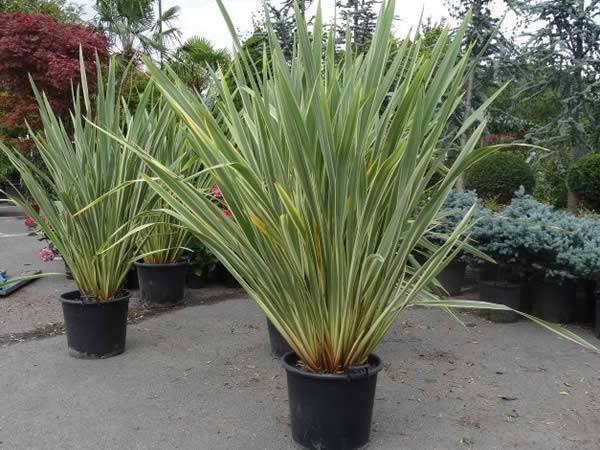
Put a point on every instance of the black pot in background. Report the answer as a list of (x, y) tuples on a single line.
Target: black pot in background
[(331, 411), (131, 279), (597, 317), (225, 278), (452, 277), (504, 293), (95, 330), (585, 301), (279, 345), (162, 284), (194, 281), (554, 300)]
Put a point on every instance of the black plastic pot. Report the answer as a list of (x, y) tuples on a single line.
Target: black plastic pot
[(279, 345), (162, 284), (554, 300), (503, 293), (331, 411), (597, 317), (452, 277), (95, 330), (194, 281), (131, 280), (224, 278), (585, 301)]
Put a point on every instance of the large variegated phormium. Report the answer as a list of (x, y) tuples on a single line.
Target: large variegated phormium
[(329, 175), (90, 204)]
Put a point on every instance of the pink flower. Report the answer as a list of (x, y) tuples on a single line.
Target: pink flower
[(216, 192), (46, 254), (29, 222), (227, 212)]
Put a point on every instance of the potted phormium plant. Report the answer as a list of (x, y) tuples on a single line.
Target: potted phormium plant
[(162, 272), (325, 167), (90, 228), (163, 240)]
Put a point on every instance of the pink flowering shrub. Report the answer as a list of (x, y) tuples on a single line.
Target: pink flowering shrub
[(46, 254)]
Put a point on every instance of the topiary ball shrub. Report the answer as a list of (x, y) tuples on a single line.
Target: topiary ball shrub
[(498, 176), (583, 178)]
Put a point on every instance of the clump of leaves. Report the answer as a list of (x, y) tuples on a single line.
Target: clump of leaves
[(326, 168), (583, 177), (498, 176)]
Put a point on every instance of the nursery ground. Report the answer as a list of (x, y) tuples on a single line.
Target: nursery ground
[(201, 377)]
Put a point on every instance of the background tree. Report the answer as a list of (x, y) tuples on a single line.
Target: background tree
[(135, 29), (61, 10), (360, 17), (487, 46), (565, 50), (46, 50), (283, 22), (195, 58)]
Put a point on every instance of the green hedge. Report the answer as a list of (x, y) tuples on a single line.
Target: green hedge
[(583, 178), (498, 176)]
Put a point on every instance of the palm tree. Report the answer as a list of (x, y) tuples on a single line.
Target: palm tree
[(135, 29), (194, 60)]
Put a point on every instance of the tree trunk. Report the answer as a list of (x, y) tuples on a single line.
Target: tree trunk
[(460, 181)]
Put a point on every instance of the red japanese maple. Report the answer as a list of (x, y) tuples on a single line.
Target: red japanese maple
[(40, 46)]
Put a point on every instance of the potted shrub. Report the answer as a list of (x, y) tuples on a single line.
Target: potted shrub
[(499, 176), (558, 246), (504, 282), (90, 229), (163, 271), (576, 263), (456, 206), (326, 170)]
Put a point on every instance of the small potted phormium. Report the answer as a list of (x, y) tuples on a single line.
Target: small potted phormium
[(326, 170), (163, 239), (163, 272), (74, 208)]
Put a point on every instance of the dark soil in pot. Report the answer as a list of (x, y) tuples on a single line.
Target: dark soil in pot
[(452, 277), (504, 293), (162, 284), (331, 411), (95, 329), (279, 345), (554, 300)]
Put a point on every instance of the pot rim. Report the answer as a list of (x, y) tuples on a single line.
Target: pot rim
[(175, 264), (289, 366), (124, 296)]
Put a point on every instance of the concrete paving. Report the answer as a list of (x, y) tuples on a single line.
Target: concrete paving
[(202, 378)]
